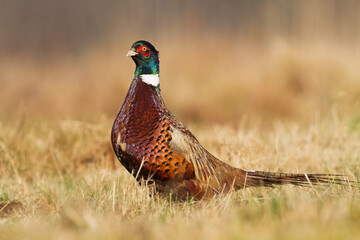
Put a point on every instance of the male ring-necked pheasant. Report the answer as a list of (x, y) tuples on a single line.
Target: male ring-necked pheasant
[(153, 145)]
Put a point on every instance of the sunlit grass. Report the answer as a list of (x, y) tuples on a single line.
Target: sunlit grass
[(60, 180)]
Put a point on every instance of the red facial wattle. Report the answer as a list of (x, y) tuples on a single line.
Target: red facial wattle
[(144, 50)]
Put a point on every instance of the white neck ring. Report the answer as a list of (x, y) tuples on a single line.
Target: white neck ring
[(151, 79)]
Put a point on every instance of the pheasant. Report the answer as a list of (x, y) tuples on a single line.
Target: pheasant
[(154, 146)]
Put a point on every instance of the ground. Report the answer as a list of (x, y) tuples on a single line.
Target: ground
[(60, 180)]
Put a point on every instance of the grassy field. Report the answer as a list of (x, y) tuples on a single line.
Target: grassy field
[(278, 105), (60, 180)]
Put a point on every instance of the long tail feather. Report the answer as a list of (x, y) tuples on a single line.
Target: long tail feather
[(269, 179)]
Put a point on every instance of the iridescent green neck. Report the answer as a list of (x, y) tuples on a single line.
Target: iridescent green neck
[(147, 68)]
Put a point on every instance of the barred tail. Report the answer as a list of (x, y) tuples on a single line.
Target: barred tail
[(269, 179)]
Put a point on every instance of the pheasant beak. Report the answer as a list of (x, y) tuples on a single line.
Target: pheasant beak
[(131, 53)]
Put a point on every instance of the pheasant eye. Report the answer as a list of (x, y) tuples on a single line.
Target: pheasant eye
[(144, 50)]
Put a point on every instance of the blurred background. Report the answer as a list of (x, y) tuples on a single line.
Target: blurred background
[(220, 60)]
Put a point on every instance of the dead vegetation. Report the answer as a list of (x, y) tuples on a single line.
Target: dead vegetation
[(60, 179)]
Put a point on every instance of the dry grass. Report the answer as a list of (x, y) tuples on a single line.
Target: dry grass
[(60, 180)]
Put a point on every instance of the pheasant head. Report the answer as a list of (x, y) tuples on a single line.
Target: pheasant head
[(146, 58)]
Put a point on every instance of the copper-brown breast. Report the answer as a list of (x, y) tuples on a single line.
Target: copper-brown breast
[(141, 138)]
